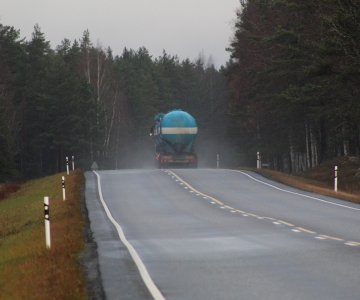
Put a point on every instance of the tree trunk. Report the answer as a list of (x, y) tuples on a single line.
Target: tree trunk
[(307, 145), (345, 141), (292, 155), (313, 149)]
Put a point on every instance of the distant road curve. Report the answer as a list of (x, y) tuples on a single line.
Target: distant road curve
[(220, 234)]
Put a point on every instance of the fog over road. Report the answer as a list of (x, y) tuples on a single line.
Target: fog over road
[(222, 234)]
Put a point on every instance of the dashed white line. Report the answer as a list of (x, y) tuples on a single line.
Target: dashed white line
[(321, 237), (351, 244)]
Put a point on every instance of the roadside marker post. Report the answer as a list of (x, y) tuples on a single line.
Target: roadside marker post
[(67, 165), (258, 161), (217, 161), (335, 179), (47, 222), (63, 187), (73, 163)]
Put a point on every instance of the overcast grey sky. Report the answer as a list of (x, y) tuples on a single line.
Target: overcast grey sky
[(181, 27)]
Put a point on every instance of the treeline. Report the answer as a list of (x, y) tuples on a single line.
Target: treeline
[(80, 100), (295, 76)]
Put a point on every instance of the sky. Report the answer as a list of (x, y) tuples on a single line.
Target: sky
[(184, 28)]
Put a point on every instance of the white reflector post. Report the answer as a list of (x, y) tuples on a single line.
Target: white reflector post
[(217, 161), (63, 186), (258, 160), (47, 222), (73, 163), (335, 180), (67, 165)]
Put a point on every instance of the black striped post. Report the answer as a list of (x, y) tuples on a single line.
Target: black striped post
[(47, 222), (67, 165), (336, 179), (63, 187)]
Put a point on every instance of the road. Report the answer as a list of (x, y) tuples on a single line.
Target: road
[(221, 234)]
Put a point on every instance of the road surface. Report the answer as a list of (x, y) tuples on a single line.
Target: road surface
[(220, 234)]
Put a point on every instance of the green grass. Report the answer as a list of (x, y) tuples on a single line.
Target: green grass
[(29, 270)]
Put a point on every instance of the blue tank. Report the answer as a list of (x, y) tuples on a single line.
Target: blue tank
[(174, 133)]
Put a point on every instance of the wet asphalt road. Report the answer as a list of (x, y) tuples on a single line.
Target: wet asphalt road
[(222, 234)]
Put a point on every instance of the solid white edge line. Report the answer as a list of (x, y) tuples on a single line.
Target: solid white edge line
[(153, 289), (314, 198)]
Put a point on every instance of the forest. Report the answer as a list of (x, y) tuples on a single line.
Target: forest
[(294, 76), (81, 100), (290, 90)]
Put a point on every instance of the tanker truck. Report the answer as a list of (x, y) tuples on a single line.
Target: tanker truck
[(174, 134)]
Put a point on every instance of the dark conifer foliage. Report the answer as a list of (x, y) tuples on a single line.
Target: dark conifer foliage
[(80, 100), (294, 73)]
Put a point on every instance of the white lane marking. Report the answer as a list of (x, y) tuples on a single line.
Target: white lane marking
[(191, 191), (278, 223), (197, 194), (153, 289), (181, 183), (298, 194), (176, 180), (185, 187)]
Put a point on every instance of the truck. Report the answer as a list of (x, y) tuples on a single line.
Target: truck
[(174, 135)]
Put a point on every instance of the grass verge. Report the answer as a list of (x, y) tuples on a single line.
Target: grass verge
[(320, 180), (29, 270)]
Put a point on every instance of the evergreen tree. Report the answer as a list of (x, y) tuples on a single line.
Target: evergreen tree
[(12, 81), (38, 56)]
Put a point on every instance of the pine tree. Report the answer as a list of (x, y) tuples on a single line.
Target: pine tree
[(12, 81)]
